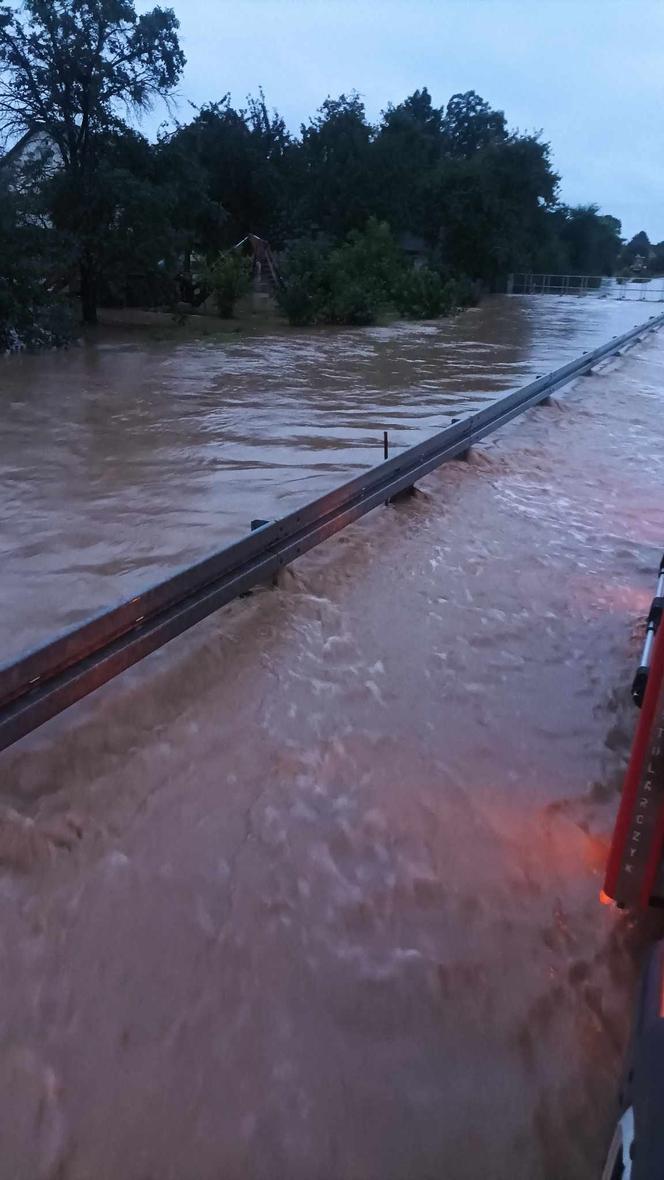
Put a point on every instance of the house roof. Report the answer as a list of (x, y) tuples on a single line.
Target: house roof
[(16, 151)]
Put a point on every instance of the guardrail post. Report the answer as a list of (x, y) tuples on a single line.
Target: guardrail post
[(272, 581), (464, 456), (546, 399), (404, 494)]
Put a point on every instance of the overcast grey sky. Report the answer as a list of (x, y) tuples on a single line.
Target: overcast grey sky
[(588, 73)]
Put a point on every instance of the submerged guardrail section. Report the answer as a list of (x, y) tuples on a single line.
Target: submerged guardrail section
[(44, 682)]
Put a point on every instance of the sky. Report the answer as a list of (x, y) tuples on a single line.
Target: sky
[(589, 74)]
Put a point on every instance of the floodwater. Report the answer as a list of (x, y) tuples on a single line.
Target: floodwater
[(120, 462), (311, 894)]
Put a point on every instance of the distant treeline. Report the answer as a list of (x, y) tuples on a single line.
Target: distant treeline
[(640, 256), (416, 211), (482, 198)]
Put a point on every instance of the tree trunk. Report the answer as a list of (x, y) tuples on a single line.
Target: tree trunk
[(88, 291)]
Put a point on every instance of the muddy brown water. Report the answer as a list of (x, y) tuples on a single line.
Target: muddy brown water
[(123, 460), (312, 893)]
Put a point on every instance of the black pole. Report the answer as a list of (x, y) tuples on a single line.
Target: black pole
[(386, 445)]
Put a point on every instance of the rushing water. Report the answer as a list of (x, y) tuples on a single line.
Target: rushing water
[(312, 893), (119, 462)]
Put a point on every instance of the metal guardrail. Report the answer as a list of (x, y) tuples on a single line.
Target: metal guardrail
[(44, 682)]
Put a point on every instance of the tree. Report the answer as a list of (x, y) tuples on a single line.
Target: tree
[(637, 251), (331, 169), (31, 315), (238, 160), (70, 67), (592, 240), (305, 274), (229, 279), (405, 154), (197, 220), (470, 124), (492, 207), (132, 211)]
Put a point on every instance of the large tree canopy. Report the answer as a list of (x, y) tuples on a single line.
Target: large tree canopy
[(240, 160), (73, 68), (470, 125), (592, 241), (333, 185)]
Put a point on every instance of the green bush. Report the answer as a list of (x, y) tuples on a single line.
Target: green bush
[(46, 327), (422, 295), (31, 319), (229, 279), (362, 278), (371, 261), (349, 302), (31, 316), (347, 284), (306, 288)]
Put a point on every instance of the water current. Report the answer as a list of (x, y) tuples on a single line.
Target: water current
[(311, 894)]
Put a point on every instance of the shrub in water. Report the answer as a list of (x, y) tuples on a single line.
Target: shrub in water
[(305, 290), (349, 284), (363, 277), (229, 279), (422, 295)]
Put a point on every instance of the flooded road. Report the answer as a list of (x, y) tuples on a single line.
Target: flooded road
[(121, 461), (312, 893)]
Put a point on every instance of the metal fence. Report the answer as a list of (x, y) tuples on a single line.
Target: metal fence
[(48, 680), (633, 289), (533, 284)]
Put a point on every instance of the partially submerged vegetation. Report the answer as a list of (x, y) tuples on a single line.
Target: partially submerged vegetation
[(414, 213), (363, 277), (32, 315)]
